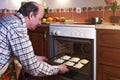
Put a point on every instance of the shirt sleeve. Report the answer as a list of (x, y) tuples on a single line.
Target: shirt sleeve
[(23, 51)]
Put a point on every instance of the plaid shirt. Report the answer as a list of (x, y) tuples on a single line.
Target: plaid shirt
[(14, 40)]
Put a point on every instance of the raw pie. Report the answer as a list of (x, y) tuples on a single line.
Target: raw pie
[(84, 61), (65, 57), (79, 65), (59, 60), (68, 63), (74, 59)]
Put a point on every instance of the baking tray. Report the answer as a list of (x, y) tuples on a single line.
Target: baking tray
[(86, 69)]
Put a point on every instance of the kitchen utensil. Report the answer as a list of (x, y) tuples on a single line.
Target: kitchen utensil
[(96, 20)]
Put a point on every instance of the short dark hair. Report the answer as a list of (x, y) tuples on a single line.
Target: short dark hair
[(27, 8)]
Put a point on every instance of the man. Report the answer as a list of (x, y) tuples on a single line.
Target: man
[(14, 41)]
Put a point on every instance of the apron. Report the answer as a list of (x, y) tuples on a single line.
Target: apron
[(11, 71), (4, 68)]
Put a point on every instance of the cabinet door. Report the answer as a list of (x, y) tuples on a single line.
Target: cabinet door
[(38, 43), (108, 53), (108, 38), (109, 56), (108, 73)]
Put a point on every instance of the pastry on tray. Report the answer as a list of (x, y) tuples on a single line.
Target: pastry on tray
[(74, 59), (84, 61), (59, 60), (68, 63), (78, 65), (65, 57)]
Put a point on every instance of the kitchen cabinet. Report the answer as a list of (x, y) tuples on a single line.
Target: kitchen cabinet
[(40, 41), (108, 54), (57, 77)]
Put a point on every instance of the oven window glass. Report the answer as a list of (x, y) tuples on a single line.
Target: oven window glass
[(72, 45)]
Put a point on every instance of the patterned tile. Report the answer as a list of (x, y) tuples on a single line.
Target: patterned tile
[(80, 17), (71, 13), (95, 14), (107, 15)]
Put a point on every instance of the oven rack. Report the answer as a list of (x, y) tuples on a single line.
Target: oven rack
[(84, 70)]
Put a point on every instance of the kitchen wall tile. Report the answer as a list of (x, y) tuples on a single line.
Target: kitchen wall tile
[(66, 9), (54, 10), (74, 9), (107, 14), (57, 14), (50, 10), (70, 10), (95, 14), (84, 9), (72, 13), (118, 12), (62, 10), (80, 17), (107, 8), (68, 15), (89, 8), (118, 8), (100, 8), (58, 10), (95, 8)]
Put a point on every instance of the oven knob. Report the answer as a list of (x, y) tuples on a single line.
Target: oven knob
[(53, 32), (57, 33)]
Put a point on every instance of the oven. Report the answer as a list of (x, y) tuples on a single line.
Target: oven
[(76, 42)]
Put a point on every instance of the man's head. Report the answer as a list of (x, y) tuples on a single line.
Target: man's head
[(33, 13)]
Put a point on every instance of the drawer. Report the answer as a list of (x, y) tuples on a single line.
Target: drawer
[(108, 38), (108, 56), (108, 73), (111, 73)]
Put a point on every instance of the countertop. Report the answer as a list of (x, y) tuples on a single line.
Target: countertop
[(108, 26), (98, 26), (44, 25)]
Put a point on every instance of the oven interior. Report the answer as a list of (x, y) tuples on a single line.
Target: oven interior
[(75, 47)]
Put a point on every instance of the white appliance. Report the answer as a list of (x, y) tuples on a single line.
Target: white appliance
[(80, 32)]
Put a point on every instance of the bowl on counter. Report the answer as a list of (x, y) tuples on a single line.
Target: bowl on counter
[(96, 20)]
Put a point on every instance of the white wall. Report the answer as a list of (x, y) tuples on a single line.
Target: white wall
[(15, 4), (74, 3)]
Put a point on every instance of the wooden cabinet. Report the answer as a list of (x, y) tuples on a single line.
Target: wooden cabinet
[(40, 41), (108, 54)]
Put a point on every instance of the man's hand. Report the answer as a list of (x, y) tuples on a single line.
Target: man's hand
[(63, 69)]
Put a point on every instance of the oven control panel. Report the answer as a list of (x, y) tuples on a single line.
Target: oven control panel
[(79, 32)]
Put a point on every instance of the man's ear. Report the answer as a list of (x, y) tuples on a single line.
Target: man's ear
[(30, 15)]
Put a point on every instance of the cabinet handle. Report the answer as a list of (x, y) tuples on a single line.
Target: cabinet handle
[(45, 35)]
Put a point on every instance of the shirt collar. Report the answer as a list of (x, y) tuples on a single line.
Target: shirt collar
[(21, 17)]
